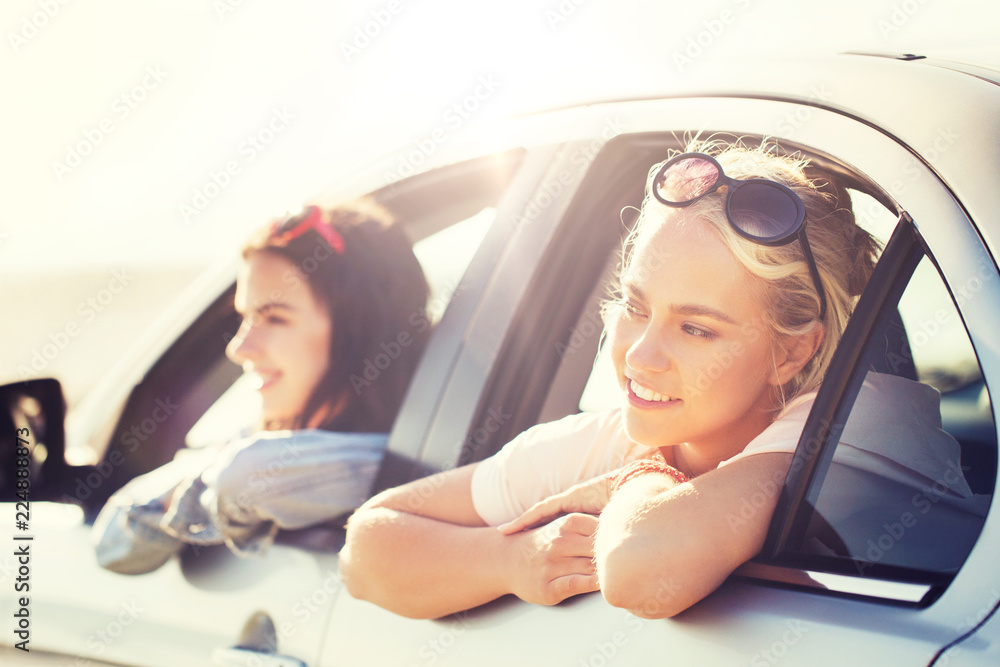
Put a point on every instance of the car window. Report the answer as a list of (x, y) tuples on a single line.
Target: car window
[(445, 211), (905, 487), (444, 256)]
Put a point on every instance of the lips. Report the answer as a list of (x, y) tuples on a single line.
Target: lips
[(266, 379), (647, 396)]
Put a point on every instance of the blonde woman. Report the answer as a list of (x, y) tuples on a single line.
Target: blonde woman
[(742, 254)]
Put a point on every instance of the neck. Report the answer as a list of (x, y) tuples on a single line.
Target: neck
[(696, 458)]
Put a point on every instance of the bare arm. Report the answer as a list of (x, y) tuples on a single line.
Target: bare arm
[(422, 551), (661, 547)]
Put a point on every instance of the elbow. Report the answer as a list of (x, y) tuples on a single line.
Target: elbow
[(366, 569), (359, 555), (644, 582)]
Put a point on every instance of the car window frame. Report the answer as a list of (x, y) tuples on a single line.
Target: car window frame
[(171, 379)]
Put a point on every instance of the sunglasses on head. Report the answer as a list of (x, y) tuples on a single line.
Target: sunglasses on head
[(760, 210), (310, 219)]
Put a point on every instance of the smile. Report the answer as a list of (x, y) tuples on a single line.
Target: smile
[(647, 394), (266, 379)]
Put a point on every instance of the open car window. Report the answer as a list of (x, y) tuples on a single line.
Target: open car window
[(445, 211), (892, 478), (443, 256)]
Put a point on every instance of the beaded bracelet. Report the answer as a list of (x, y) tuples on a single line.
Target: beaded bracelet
[(642, 467)]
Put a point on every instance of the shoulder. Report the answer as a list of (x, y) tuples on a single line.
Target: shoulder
[(298, 448), (578, 432), (782, 436)]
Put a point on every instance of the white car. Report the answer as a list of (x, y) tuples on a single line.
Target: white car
[(518, 231)]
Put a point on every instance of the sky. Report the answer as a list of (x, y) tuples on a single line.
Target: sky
[(158, 132)]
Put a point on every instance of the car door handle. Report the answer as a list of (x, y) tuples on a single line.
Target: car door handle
[(241, 657)]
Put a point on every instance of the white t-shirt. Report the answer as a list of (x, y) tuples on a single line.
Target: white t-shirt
[(894, 430)]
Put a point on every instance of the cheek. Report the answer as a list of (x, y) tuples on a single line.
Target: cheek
[(737, 372), (619, 341), (317, 350)]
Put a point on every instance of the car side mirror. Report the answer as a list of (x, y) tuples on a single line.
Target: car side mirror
[(32, 417)]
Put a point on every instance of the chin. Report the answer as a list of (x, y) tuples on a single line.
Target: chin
[(647, 433)]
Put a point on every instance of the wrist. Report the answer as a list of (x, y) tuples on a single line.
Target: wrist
[(642, 467)]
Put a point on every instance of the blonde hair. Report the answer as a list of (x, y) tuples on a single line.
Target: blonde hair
[(845, 254)]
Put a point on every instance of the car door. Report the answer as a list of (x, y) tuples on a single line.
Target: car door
[(529, 358), (199, 607)]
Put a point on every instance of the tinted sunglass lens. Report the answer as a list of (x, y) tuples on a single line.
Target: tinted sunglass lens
[(763, 211), (686, 180)]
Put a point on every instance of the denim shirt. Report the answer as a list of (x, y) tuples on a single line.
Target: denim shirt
[(239, 494)]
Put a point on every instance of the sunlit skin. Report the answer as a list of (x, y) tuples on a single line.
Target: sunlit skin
[(689, 328), (285, 336)]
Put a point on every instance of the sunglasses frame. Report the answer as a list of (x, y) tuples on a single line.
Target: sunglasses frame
[(796, 231)]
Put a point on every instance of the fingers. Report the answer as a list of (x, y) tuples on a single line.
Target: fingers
[(537, 514), (557, 560), (583, 498), (574, 584)]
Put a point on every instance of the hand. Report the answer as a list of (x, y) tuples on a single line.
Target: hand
[(555, 561), (584, 498)]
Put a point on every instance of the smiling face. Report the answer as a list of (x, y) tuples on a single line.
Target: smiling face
[(689, 346), (285, 335)]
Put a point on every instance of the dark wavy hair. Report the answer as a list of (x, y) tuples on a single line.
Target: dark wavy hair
[(375, 293)]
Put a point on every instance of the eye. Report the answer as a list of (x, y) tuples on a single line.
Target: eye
[(276, 319), (698, 332), (632, 308)]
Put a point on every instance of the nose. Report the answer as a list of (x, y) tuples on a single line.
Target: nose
[(243, 347), (649, 352)]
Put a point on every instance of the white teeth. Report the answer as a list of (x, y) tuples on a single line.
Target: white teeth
[(648, 394)]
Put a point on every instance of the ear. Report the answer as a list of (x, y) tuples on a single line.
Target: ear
[(792, 353)]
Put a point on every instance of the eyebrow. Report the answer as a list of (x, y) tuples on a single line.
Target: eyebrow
[(269, 305), (705, 311), (690, 309)]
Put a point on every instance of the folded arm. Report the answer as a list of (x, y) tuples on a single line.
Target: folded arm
[(422, 551), (661, 547)]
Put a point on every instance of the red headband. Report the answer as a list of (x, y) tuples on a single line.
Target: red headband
[(310, 218)]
